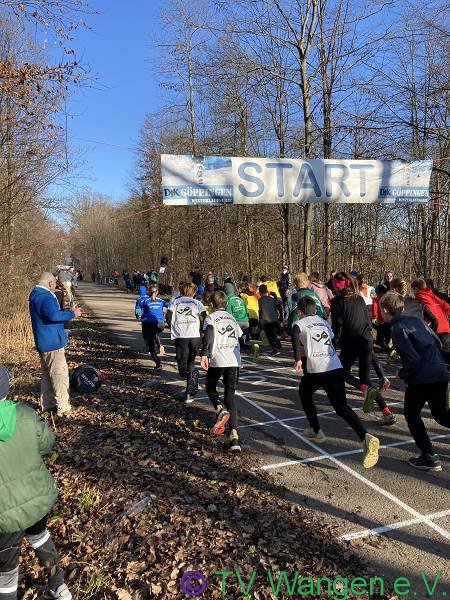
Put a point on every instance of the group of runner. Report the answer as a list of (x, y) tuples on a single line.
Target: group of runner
[(219, 322)]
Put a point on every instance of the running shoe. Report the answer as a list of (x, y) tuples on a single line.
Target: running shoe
[(370, 396), (192, 386), (318, 437), (62, 592), (371, 447), (255, 351), (385, 384), (388, 419), (222, 419), (264, 338), (157, 367), (393, 355), (234, 443), (426, 462), (188, 399)]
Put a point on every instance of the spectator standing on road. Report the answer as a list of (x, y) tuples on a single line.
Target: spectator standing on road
[(28, 493), (48, 320), (388, 277), (285, 288)]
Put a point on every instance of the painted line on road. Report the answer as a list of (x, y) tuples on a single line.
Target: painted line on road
[(443, 532), (392, 526), (311, 459), (324, 414)]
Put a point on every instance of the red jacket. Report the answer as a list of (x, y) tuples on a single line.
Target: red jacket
[(438, 307), (376, 309)]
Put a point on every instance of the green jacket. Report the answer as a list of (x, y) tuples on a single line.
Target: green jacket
[(27, 490), (237, 307)]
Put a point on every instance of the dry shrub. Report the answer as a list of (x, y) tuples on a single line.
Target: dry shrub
[(16, 337)]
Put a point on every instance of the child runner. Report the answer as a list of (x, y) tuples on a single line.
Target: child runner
[(221, 359), (367, 292), (324, 294), (425, 374), (411, 307), (439, 308), (271, 314), (183, 316), (150, 309), (28, 493), (237, 307), (352, 330), (314, 352), (302, 283)]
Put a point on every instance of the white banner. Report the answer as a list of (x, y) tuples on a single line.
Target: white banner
[(212, 180)]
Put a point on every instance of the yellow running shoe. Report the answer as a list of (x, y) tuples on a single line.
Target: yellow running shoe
[(371, 447)]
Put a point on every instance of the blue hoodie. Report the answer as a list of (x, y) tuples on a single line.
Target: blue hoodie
[(420, 350), (48, 320)]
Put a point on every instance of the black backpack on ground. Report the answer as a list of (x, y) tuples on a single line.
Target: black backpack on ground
[(86, 379)]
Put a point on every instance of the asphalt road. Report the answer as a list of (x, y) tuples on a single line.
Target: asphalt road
[(397, 517)]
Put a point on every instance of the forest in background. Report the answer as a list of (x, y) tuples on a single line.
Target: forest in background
[(274, 78), (297, 79)]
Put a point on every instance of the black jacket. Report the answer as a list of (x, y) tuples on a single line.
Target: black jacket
[(350, 320)]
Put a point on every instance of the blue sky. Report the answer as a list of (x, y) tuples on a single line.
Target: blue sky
[(118, 51)]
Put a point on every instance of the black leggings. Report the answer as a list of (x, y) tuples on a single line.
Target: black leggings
[(272, 330), (186, 349), (150, 333), (230, 377), (416, 395), (39, 538), (334, 385), (361, 349)]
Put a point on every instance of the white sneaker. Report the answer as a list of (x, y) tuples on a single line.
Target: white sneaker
[(318, 437), (61, 593)]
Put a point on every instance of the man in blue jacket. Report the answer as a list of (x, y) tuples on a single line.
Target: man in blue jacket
[(50, 338)]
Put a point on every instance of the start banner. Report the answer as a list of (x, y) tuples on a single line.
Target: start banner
[(213, 180)]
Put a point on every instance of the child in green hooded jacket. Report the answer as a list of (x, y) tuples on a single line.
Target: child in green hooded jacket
[(28, 493)]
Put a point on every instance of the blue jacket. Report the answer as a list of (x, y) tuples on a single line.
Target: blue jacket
[(148, 310), (48, 320), (420, 350)]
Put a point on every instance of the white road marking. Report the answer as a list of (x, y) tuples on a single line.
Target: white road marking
[(443, 532), (324, 414), (398, 525), (310, 459)]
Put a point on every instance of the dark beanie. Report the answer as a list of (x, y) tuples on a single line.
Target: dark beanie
[(4, 382)]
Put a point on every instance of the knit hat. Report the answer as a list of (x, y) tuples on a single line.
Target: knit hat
[(200, 289), (4, 382), (338, 284)]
